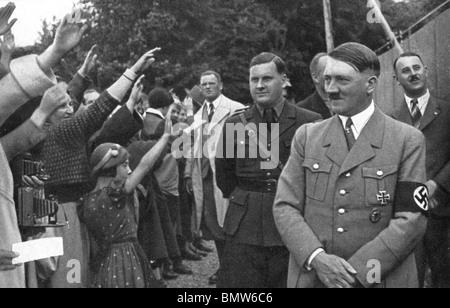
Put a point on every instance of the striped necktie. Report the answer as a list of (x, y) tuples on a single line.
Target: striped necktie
[(416, 115), (211, 112)]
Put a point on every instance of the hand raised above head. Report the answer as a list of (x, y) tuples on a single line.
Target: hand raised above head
[(68, 35), (188, 103), (90, 62), (5, 14), (168, 127), (137, 90), (145, 61), (7, 46)]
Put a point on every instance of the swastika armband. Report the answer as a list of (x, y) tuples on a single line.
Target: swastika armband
[(411, 197)]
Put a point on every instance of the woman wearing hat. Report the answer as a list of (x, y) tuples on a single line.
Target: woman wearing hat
[(111, 215)]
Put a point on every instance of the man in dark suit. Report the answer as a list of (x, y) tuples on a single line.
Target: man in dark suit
[(432, 116), (351, 199), (318, 101), (254, 255)]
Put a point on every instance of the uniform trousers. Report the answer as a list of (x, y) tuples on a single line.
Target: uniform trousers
[(248, 266), (437, 247)]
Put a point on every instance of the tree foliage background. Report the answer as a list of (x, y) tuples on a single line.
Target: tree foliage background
[(223, 35)]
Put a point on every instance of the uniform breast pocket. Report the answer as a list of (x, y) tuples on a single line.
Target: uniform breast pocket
[(317, 176), (379, 185), (246, 156)]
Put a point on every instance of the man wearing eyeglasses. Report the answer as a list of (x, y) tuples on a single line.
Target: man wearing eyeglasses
[(210, 204)]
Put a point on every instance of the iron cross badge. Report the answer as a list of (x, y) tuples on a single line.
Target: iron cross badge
[(383, 197)]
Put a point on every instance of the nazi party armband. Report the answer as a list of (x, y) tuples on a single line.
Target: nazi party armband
[(411, 197)]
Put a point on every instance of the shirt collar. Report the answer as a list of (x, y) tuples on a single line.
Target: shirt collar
[(278, 109), (360, 120), (155, 112), (423, 100), (216, 103)]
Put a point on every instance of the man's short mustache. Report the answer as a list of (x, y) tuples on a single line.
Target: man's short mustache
[(333, 97)]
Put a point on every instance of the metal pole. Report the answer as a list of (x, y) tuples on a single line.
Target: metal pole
[(387, 29), (328, 25)]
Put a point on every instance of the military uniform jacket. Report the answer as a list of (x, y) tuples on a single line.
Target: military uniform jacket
[(435, 125), (249, 219), (357, 205)]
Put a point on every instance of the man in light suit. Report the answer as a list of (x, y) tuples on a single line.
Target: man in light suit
[(210, 205), (351, 201), (432, 116)]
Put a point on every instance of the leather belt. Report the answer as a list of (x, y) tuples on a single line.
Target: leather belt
[(260, 186)]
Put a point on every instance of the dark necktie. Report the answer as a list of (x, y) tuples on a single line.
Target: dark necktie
[(211, 112), (416, 115), (349, 136), (269, 118)]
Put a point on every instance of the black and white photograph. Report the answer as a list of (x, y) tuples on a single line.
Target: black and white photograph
[(224, 148)]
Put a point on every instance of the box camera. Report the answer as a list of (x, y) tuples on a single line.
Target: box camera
[(36, 212), (34, 168)]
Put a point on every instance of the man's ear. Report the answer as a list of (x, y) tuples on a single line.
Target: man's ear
[(221, 86), (315, 78), (285, 79), (371, 85), (396, 79), (426, 71)]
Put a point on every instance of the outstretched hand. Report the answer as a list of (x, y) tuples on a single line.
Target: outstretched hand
[(5, 14), (168, 127), (136, 94), (7, 46), (90, 62), (145, 61), (68, 34), (189, 104)]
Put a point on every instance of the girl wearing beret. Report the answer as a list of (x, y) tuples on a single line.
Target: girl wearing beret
[(111, 215)]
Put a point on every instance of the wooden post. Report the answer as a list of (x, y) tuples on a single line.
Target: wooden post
[(328, 25), (387, 29)]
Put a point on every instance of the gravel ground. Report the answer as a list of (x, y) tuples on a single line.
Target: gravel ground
[(202, 271)]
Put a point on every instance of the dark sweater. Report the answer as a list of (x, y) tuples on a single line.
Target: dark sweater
[(64, 150)]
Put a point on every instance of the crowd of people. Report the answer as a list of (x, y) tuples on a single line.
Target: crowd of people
[(335, 185)]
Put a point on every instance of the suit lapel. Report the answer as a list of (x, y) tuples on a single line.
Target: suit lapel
[(221, 113), (371, 136), (336, 142), (432, 111), (403, 114), (319, 106)]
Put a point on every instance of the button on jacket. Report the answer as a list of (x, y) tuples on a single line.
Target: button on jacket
[(251, 189), (344, 202)]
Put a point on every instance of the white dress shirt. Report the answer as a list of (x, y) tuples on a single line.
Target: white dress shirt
[(360, 120), (155, 112), (216, 104), (423, 102)]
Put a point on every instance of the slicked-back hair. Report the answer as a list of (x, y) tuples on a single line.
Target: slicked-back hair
[(315, 62), (406, 55), (267, 57), (360, 57), (207, 73)]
